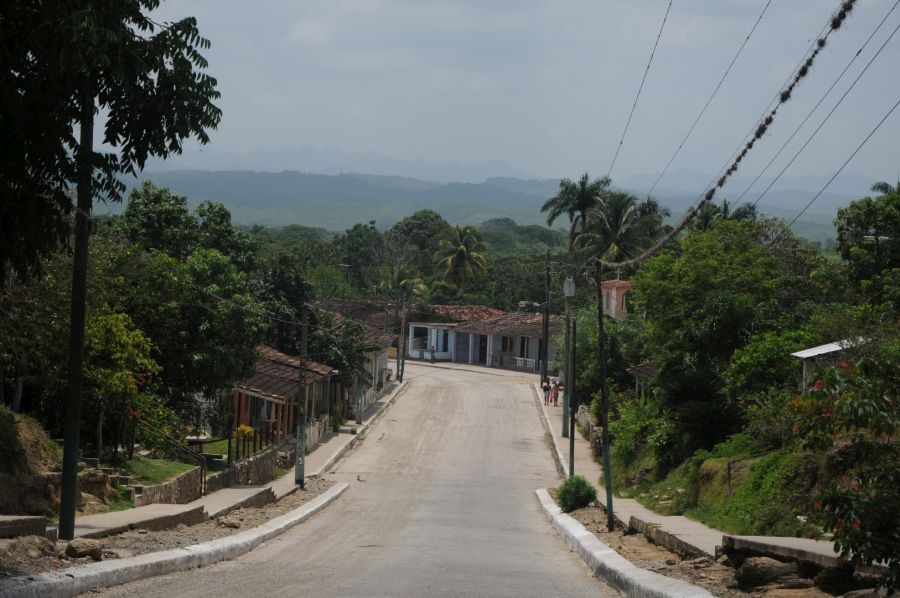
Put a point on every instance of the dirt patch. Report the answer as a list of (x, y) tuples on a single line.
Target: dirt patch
[(25, 448), (704, 572), (14, 562)]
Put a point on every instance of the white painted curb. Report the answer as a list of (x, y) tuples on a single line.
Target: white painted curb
[(77, 580), (611, 567)]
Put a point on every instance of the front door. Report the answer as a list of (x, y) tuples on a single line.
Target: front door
[(482, 348)]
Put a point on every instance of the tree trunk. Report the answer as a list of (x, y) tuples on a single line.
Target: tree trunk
[(17, 395), (75, 374), (100, 435)]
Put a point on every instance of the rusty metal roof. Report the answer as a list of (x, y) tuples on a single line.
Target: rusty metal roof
[(643, 371), (277, 375), (514, 323), (464, 313)]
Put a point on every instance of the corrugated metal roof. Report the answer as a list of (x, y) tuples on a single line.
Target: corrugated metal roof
[(643, 371), (277, 375), (517, 323), (825, 349)]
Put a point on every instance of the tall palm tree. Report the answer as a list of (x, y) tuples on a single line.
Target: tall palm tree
[(620, 227), (574, 200), (462, 256), (886, 188)]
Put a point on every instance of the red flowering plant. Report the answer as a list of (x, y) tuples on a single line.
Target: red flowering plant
[(853, 414)]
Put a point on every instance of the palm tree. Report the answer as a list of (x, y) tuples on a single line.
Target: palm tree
[(886, 188), (575, 199), (710, 213), (620, 227), (462, 256)]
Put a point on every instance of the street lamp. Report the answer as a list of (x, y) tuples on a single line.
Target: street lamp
[(568, 418)]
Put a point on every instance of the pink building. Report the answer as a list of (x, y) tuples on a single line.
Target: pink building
[(614, 298)]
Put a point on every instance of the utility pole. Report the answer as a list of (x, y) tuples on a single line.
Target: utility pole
[(604, 397), (572, 403), (75, 375), (546, 324), (401, 343), (569, 295), (300, 462)]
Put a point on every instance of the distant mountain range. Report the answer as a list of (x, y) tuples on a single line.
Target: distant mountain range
[(336, 202), (308, 159)]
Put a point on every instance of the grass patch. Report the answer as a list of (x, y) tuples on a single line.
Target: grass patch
[(280, 472), (219, 447), (154, 471), (121, 500)]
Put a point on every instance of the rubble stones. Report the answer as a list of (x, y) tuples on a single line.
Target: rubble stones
[(84, 547)]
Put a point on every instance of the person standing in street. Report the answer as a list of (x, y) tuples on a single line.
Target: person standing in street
[(546, 388), (432, 353), (554, 392)]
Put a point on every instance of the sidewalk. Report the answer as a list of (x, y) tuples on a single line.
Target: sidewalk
[(164, 516), (683, 534)]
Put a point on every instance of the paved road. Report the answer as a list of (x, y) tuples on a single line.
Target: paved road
[(446, 508)]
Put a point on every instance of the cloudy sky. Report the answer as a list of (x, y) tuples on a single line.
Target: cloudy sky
[(543, 85)]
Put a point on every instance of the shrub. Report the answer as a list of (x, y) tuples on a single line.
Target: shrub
[(640, 422), (575, 493)]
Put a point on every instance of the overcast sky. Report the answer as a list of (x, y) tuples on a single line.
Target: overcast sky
[(543, 85)]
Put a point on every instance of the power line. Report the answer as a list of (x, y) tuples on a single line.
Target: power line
[(844, 165), (709, 101), (640, 88), (835, 23), (827, 116)]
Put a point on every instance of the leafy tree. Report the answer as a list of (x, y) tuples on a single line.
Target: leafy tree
[(766, 362), (869, 239), (706, 299), (69, 63), (117, 367), (215, 231), (362, 248), (461, 257), (157, 219), (574, 200), (203, 319), (421, 229)]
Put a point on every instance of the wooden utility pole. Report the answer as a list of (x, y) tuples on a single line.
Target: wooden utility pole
[(300, 411), (546, 323), (75, 374), (604, 399)]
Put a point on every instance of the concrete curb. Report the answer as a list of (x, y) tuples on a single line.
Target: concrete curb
[(561, 467), (361, 434), (611, 567), (77, 580)]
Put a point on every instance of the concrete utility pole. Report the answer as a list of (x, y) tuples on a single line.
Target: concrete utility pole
[(75, 375), (569, 294), (604, 397), (572, 403), (401, 343), (300, 461), (546, 324)]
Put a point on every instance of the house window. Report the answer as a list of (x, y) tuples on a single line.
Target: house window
[(420, 337), (523, 346), (507, 344)]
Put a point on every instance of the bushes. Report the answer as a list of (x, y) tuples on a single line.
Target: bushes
[(575, 493), (639, 423)]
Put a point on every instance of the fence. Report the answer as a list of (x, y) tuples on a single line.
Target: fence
[(243, 443), (511, 362)]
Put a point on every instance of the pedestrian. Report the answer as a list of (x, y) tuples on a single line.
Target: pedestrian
[(554, 392), (546, 388), (432, 353)]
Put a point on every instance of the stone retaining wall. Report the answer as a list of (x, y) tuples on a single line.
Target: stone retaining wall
[(589, 428), (258, 469), (179, 490)]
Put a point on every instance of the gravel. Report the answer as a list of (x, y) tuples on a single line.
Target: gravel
[(15, 562)]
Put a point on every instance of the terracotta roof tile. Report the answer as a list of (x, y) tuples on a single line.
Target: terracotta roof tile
[(518, 323)]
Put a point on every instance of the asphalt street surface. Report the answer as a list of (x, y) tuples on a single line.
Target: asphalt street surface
[(441, 503)]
